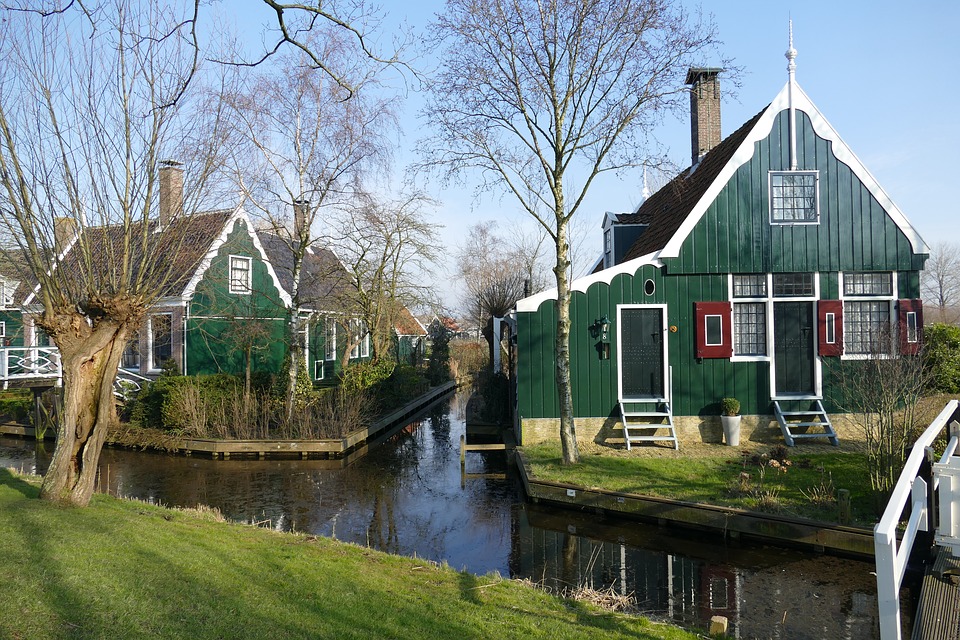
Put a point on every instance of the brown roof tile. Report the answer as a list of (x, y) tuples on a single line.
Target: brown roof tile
[(669, 207)]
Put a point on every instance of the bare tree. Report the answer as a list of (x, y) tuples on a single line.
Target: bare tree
[(85, 116), (305, 146), (494, 272), (289, 26), (388, 248), (541, 95), (940, 280)]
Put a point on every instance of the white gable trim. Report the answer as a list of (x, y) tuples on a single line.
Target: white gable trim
[(238, 215), (743, 154), (582, 284)]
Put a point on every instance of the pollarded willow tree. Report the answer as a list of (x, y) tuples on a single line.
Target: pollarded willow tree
[(93, 94), (88, 108), (539, 95), (304, 144)]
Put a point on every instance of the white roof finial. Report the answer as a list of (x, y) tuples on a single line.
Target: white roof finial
[(646, 187), (791, 54)]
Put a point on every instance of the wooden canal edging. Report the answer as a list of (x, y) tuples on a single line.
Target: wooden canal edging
[(726, 521), (334, 447), (329, 448)]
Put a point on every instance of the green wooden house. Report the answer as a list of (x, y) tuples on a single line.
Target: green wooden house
[(229, 304), (762, 271)]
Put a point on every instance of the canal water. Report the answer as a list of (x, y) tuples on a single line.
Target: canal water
[(407, 496)]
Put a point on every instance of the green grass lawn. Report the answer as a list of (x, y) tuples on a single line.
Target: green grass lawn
[(803, 488), (123, 569)]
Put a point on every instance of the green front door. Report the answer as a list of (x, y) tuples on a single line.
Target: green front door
[(641, 353), (793, 348)]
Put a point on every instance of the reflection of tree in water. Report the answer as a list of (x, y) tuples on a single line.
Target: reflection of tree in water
[(440, 423)]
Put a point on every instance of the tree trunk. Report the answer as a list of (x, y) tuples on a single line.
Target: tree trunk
[(296, 353), (89, 412), (568, 432)]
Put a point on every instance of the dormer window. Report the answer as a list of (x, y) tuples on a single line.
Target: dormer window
[(793, 197)]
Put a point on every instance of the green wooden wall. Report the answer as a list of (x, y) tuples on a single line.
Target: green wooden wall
[(734, 236), (220, 322), (13, 330)]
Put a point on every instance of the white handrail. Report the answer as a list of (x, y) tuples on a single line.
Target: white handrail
[(891, 561), (20, 363)]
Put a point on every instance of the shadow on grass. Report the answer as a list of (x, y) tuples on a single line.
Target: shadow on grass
[(10, 479)]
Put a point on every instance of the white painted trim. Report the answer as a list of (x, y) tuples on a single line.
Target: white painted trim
[(248, 287), (761, 130), (238, 215), (582, 284), (667, 382), (892, 302)]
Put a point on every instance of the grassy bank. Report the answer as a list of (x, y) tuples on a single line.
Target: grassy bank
[(121, 569), (804, 485)]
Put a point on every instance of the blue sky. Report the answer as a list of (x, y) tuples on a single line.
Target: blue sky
[(880, 71)]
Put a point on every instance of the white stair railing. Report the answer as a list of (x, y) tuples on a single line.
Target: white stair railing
[(891, 558)]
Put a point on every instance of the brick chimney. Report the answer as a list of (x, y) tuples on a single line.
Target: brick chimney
[(704, 110), (63, 231), (301, 218), (171, 191)]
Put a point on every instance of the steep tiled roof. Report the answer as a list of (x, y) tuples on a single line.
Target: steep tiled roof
[(407, 325), (639, 217), (14, 267), (171, 254), (323, 279), (669, 207)]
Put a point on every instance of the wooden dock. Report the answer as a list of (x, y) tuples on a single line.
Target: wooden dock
[(938, 613)]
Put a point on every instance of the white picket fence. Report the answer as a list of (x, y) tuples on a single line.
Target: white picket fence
[(43, 363), (891, 558)]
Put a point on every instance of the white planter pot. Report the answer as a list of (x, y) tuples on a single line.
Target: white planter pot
[(731, 430)]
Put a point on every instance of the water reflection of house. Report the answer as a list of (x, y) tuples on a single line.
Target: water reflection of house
[(689, 578)]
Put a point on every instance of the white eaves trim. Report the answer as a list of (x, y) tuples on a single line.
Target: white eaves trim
[(582, 284), (238, 215), (761, 130)]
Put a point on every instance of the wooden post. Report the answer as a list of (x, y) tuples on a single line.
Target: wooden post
[(463, 452), (843, 500)]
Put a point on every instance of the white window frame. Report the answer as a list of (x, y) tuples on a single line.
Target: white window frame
[(237, 286), (3, 329), (891, 301), (151, 365), (321, 364), (830, 320), (330, 338), (362, 348), (767, 300), (816, 197)]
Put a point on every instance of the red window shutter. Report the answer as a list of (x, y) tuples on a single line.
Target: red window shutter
[(713, 331), (830, 327), (910, 320)]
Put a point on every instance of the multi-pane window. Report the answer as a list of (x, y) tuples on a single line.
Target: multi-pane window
[(792, 285), (866, 323), (750, 329), (793, 197), (240, 269), (330, 339), (866, 327), (360, 339), (131, 355), (161, 339), (750, 318), (868, 284)]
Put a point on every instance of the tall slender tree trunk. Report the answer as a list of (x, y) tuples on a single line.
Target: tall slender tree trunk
[(568, 431), (296, 355), (89, 412)]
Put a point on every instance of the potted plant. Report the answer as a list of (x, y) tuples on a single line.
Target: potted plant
[(730, 418)]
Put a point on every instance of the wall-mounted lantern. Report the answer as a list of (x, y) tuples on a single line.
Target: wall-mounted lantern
[(601, 329)]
